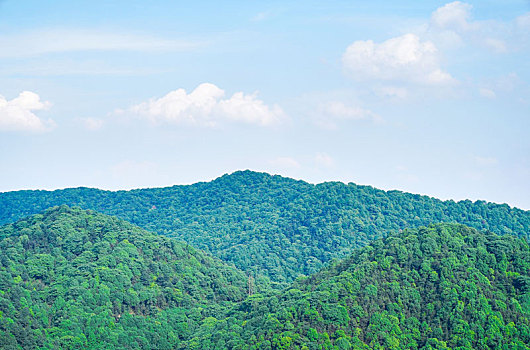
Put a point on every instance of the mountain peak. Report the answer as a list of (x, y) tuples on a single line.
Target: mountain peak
[(72, 266)]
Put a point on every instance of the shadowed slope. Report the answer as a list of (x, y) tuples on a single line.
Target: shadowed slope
[(71, 278)]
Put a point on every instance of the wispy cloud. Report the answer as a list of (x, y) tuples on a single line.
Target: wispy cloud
[(46, 41), (53, 66), (91, 124), (331, 114), (486, 161), (453, 25)]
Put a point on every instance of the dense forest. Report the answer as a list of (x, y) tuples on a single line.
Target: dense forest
[(271, 225), (443, 287), (75, 279)]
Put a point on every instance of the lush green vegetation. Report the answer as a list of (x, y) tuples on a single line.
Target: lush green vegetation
[(74, 279), (269, 224), (443, 287)]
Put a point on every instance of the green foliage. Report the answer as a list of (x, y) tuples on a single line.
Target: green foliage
[(74, 279), (443, 287), (269, 224)]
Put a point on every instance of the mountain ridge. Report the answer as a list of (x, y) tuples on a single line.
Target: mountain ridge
[(268, 224), (247, 171)]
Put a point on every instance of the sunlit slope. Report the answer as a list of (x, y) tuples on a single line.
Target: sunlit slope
[(443, 287)]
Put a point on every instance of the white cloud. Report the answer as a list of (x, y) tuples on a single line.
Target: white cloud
[(248, 109), (453, 26), (405, 58), (18, 113), (439, 77), (324, 160), (205, 106), (484, 92), (454, 15), (45, 41), (92, 123)]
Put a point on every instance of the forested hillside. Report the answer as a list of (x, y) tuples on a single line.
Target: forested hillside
[(270, 224), (75, 279), (442, 287)]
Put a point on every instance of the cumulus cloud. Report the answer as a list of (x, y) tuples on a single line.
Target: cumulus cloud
[(205, 106), (18, 113), (454, 15), (415, 59), (405, 58)]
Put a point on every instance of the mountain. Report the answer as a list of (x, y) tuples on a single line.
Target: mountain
[(272, 225), (447, 286), (76, 279)]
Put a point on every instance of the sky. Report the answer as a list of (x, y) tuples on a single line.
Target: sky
[(427, 97)]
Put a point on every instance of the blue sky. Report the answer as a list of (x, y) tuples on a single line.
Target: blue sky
[(428, 97)]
